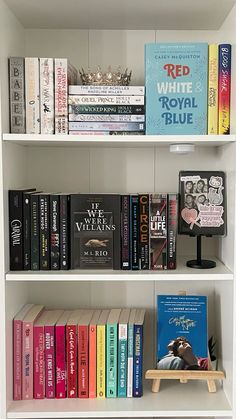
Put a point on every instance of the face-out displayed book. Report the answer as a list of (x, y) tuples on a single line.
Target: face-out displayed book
[(182, 332), (202, 203), (176, 88)]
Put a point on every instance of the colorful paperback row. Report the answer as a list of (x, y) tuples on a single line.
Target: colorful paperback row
[(80, 353), (38, 90), (187, 88), (92, 231)]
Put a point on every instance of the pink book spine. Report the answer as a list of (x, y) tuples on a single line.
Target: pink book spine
[(17, 359), (92, 361), (71, 339), (49, 362), (61, 96), (60, 362), (39, 363), (27, 361)]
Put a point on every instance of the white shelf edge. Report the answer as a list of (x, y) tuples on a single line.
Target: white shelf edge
[(117, 140)]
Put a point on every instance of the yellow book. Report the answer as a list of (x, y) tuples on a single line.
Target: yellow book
[(101, 354), (213, 90)]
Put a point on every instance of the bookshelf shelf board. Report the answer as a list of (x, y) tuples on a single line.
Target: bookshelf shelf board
[(183, 273), (117, 140), (77, 14), (184, 403)]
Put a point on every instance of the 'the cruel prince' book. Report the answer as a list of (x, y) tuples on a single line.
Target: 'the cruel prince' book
[(176, 88), (202, 203), (95, 231), (182, 333)]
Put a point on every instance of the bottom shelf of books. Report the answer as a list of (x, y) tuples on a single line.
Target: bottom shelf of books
[(81, 349)]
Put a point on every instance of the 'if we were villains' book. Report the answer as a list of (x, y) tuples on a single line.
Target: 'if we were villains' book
[(95, 231), (176, 88), (202, 203), (182, 332)]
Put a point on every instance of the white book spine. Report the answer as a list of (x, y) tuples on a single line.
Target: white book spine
[(106, 90), (47, 95), (105, 100), (130, 378), (105, 118), (61, 95), (32, 95)]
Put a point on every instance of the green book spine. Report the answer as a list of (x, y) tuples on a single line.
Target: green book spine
[(130, 360), (111, 368)]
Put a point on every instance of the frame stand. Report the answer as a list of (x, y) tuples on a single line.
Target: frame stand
[(200, 263)]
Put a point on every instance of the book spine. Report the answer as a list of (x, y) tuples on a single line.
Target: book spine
[(134, 209), (125, 232), (17, 95), (105, 118), (111, 360), (17, 359), (83, 361), (34, 204), (158, 231), (172, 213), (105, 100), (39, 362), (64, 232), (49, 361), (106, 90), (60, 332), (32, 95), (144, 231), (92, 361), (27, 361), (61, 94), (44, 232), (26, 231), (106, 132), (54, 232), (71, 339), (101, 361), (107, 109), (122, 360), (130, 360), (224, 88), (106, 126), (116, 234), (213, 90), (16, 230), (47, 95), (138, 361)]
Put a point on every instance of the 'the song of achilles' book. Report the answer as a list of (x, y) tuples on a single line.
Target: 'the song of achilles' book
[(176, 88)]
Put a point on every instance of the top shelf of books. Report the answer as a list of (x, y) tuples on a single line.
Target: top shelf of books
[(122, 14)]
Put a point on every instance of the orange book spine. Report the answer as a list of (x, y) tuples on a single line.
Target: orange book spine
[(92, 361)]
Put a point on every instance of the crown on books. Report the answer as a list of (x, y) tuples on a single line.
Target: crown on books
[(109, 77)]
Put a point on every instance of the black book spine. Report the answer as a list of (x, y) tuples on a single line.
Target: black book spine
[(134, 210), (144, 231), (27, 230), (172, 212), (125, 232), (64, 232), (117, 232), (16, 230), (34, 207), (44, 232), (54, 232)]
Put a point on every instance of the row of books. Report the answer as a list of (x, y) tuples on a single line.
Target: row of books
[(95, 109), (39, 94), (187, 88), (77, 353), (92, 231)]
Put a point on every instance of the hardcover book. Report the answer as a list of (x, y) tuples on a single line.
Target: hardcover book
[(213, 90), (130, 367), (50, 364), (106, 90), (95, 231), (32, 95), (47, 95), (182, 336), (172, 228), (107, 109), (176, 88), (144, 231), (93, 354), (61, 373), (224, 88), (83, 353), (101, 354), (44, 236), (64, 234), (123, 352), (158, 231), (111, 352), (54, 231), (202, 203), (125, 232), (17, 94), (134, 231), (71, 353), (35, 217)]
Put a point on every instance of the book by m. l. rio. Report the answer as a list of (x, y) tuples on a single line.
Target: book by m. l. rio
[(182, 337), (176, 88)]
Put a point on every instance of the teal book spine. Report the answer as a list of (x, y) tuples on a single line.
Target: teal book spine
[(130, 360), (122, 360), (111, 368), (176, 88)]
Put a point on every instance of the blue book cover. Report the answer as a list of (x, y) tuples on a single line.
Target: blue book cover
[(176, 88), (182, 335)]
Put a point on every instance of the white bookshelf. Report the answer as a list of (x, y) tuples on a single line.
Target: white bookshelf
[(108, 32)]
